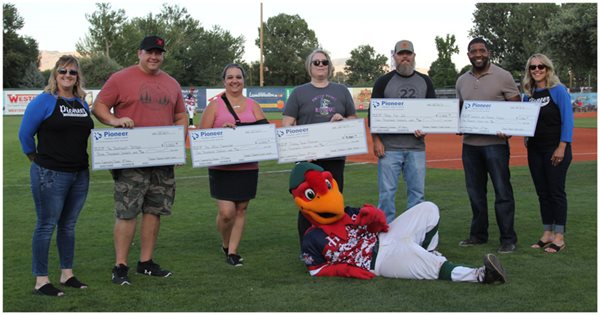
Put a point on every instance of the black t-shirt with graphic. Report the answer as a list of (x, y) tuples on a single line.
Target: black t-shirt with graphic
[(547, 130)]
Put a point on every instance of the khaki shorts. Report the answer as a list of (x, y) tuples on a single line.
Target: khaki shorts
[(144, 189)]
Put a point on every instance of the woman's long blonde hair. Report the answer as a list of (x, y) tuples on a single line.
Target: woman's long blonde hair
[(528, 82), (64, 61)]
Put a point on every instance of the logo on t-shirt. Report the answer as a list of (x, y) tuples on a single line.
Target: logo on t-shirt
[(154, 96), (72, 112), (324, 105), (543, 101)]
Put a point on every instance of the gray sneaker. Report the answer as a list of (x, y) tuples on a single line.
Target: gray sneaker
[(507, 248), (119, 275)]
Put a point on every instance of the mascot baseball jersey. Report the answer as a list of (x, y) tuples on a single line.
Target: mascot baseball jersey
[(339, 243)]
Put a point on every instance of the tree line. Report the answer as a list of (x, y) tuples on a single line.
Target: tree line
[(567, 33)]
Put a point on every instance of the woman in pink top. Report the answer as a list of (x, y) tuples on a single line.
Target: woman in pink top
[(232, 185)]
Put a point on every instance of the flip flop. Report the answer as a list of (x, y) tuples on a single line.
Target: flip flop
[(48, 289), (555, 247), (74, 283), (541, 244)]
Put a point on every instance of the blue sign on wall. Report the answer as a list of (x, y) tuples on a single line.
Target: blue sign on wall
[(270, 99), (584, 102)]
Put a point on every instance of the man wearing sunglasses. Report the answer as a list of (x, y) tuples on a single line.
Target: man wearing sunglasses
[(488, 154), (401, 153), (141, 95)]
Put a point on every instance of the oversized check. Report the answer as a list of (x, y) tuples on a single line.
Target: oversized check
[(138, 147), (322, 140), (222, 146), (489, 118), (431, 115)]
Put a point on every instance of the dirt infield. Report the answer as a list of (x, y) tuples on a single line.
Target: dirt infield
[(444, 151)]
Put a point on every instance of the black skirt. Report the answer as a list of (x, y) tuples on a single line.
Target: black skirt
[(233, 185)]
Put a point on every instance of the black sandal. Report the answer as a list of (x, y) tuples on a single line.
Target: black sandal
[(48, 289), (555, 248), (541, 244), (75, 283)]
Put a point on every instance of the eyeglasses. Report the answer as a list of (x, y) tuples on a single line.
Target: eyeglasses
[(317, 63), (539, 67), (64, 71)]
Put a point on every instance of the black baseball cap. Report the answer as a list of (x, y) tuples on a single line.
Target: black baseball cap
[(153, 42)]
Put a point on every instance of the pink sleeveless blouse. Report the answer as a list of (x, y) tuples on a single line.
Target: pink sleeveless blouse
[(222, 115)]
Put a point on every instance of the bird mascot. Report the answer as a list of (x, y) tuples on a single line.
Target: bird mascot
[(358, 243)]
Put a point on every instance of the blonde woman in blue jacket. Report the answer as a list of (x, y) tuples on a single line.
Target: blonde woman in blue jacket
[(549, 150)]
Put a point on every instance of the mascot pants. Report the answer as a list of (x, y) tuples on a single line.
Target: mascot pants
[(407, 250)]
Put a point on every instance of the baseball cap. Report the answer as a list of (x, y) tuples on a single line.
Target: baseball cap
[(404, 45), (152, 42), (297, 174)]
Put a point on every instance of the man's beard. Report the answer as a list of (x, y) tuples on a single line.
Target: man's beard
[(404, 69), (485, 62)]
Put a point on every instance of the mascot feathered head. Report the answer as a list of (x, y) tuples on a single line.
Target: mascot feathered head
[(316, 193)]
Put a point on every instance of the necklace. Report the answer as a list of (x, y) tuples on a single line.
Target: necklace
[(238, 100)]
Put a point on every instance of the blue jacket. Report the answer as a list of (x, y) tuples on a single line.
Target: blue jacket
[(560, 96)]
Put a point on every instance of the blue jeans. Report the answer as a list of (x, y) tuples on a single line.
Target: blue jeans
[(549, 184), (389, 167), (58, 198), (478, 162)]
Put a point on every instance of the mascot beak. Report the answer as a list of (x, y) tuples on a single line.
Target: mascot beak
[(319, 198)]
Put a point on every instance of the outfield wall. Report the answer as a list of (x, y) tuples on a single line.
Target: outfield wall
[(271, 99)]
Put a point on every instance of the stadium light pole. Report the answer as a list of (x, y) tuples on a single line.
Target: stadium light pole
[(261, 80)]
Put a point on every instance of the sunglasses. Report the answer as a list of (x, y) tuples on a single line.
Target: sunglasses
[(64, 71), (320, 62), (539, 67)]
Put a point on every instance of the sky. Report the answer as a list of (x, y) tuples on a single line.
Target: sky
[(340, 25)]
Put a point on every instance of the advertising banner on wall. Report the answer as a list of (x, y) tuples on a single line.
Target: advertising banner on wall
[(212, 94), (15, 102), (270, 99), (584, 102), (361, 97), (201, 99)]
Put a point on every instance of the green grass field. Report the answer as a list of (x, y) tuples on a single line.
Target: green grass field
[(273, 278), (586, 122)]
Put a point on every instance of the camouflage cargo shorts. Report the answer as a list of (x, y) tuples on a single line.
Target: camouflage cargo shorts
[(145, 189)]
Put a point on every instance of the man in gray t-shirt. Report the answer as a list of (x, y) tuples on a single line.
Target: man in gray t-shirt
[(401, 153)]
